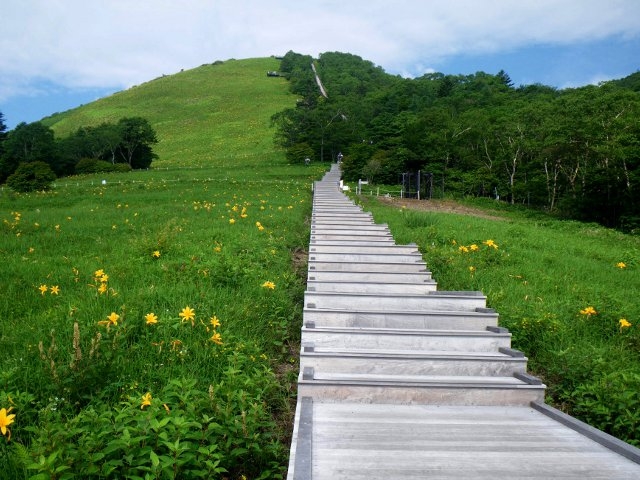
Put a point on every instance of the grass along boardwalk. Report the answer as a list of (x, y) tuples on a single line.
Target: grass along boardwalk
[(400, 380)]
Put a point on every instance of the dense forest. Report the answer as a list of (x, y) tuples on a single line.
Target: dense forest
[(573, 152), (31, 157)]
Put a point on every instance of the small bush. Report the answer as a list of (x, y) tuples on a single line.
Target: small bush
[(299, 152), (92, 165), (31, 176)]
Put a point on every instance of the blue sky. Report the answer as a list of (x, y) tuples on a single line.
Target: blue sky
[(59, 54)]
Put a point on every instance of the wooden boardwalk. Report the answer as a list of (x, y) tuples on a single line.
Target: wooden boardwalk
[(401, 381)]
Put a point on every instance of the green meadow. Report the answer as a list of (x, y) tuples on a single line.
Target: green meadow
[(150, 320)]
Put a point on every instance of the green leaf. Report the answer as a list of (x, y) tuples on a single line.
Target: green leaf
[(155, 461)]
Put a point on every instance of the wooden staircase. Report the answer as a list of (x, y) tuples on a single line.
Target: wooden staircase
[(401, 380)]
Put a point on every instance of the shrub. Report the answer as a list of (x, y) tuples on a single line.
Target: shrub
[(92, 165), (299, 152), (31, 176)]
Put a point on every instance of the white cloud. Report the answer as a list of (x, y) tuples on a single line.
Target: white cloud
[(118, 43)]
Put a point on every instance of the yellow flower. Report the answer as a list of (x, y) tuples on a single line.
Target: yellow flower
[(232, 221), (473, 247), (472, 269), (463, 249), (624, 323), (588, 311), (43, 289), (113, 318), (621, 265), (490, 243), (5, 421), (156, 254), (151, 318), (187, 314), (216, 338), (102, 288), (269, 284), (98, 273), (104, 278), (146, 400), (215, 323), (55, 290)]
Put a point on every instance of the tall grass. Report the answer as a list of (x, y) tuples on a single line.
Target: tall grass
[(540, 273), (199, 241)]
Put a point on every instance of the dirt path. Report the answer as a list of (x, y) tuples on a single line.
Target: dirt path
[(445, 206)]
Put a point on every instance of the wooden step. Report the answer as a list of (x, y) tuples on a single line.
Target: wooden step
[(349, 236), (373, 339), (477, 319), (349, 441), (382, 276), (367, 257), (365, 249), (341, 227), (425, 390), (456, 301), (371, 287), (349, 266), (413, 364)]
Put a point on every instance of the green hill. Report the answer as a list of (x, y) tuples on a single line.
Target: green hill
[(213, 114)]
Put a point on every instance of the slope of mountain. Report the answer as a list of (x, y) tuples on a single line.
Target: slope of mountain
[(216, 113)]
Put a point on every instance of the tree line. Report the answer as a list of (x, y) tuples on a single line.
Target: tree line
[(574, 152), (31, 157)]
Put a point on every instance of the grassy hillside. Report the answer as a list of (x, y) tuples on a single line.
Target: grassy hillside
[(214, 114), (149, 324)]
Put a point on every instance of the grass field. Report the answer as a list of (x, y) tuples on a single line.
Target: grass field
[(149, 321)]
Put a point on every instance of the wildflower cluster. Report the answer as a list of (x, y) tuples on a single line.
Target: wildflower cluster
[(215, 337), (474, 247), (53, 289), (623, 323), (101, 282), (14, 223), (188, 314)]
